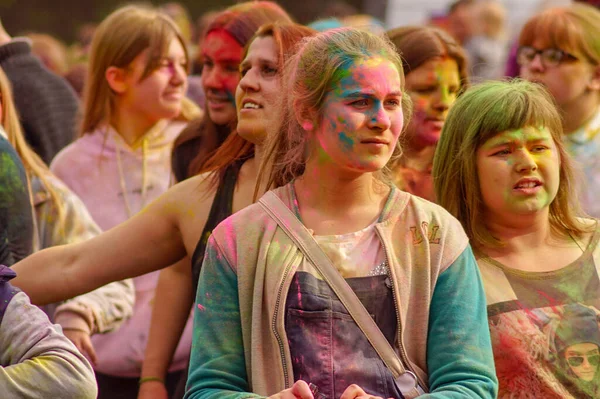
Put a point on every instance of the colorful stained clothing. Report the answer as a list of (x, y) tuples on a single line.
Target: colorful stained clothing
[(544, 327), (16, 219), (584, 146), (241, 341), (36, 359)]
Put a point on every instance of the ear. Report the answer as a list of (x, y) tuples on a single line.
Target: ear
[(116, 78), (305, 117), (595, 80)]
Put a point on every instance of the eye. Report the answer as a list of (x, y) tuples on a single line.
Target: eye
[(244, 70), (504, 151), (208, 63), (269, 71), (539, 148), (425, 90), (233, 68), (393, 102), (360, 103)]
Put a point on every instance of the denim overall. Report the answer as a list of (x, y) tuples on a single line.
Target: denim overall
[(328, 349)]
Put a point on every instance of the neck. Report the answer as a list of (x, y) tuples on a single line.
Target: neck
[(520, 232), (418, 158), (579, 113), (251, 169), (131, 126), (322, 186)]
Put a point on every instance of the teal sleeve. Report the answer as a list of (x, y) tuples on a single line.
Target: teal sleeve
[(459, 352), (217, 363)]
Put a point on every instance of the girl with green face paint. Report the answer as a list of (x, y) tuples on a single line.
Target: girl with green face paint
[(502, 170)]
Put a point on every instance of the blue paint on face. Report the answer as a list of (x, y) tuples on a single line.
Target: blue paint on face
[(346, 141)]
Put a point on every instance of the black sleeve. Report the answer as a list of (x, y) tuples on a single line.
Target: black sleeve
[(16, 219)]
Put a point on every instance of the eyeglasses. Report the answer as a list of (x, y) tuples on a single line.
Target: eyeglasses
[(577, 361), (550, 57)]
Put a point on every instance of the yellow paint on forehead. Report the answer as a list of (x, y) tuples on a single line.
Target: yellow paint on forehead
[(526, 134)]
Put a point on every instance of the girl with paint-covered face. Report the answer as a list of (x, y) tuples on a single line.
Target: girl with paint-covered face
[(436, 72), (560, 49), (221, 54), (501, 168), (265, 320)]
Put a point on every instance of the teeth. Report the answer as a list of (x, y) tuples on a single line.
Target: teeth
[(251, 105), (527, 185)]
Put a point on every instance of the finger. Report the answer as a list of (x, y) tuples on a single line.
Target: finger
[(301, 390), (89, 349), (353, 392)]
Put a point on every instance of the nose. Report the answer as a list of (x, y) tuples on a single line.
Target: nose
[(179, 75), (379, 118), (525, 162), (535, 64), (249, 81), (444, 99), (211, 79)]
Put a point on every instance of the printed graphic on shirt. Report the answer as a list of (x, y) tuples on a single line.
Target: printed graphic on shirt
[(547, 341)]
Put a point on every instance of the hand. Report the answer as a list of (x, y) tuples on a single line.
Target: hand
[(299, 390), (153, 390), (82, 341), (4, 37), (356, 392)]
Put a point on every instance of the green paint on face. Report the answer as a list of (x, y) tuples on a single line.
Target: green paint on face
[(347, 142)]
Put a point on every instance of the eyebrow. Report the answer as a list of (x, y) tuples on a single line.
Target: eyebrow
[(247, 62), (359, 93), (507, 142)]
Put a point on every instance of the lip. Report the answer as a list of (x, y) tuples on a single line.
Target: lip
[(528, 190), (375, 141), (435, 122), (249, 100), (174, 95)]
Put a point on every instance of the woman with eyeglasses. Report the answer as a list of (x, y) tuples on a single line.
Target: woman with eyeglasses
[(560, 48)]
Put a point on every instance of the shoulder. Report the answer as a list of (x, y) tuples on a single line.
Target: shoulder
[(78, 154), (420, 223)]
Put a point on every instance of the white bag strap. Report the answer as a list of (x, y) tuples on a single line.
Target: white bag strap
[(406, 380)]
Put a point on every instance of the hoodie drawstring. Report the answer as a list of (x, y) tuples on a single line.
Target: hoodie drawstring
[(122, 180)]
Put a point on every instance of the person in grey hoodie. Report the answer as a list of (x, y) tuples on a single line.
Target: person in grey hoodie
[(36, 359)]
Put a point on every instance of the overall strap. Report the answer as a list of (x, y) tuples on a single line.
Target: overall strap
[(406, 380)]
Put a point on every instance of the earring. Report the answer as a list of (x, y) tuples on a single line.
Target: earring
[(306, 125)]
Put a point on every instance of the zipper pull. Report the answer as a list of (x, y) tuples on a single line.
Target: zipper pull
[(388, 282)]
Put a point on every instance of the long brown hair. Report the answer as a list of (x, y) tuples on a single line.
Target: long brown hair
[(118, 40), (236, 148), (482, 112)]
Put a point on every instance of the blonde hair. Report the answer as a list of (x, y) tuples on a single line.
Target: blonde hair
[(118, 40), (575, 29), (34, 166), (478, 115), (309, 76)]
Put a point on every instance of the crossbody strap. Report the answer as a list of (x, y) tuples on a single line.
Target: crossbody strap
[(406, 380)]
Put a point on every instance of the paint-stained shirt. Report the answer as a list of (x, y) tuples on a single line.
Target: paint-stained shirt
[(544, 327), (16, 219), (584, 146)]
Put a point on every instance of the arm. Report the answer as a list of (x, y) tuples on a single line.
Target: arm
[(459, 350), (99, 311), (36, 360), (172, 305), (217, 362), (147, 242)]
